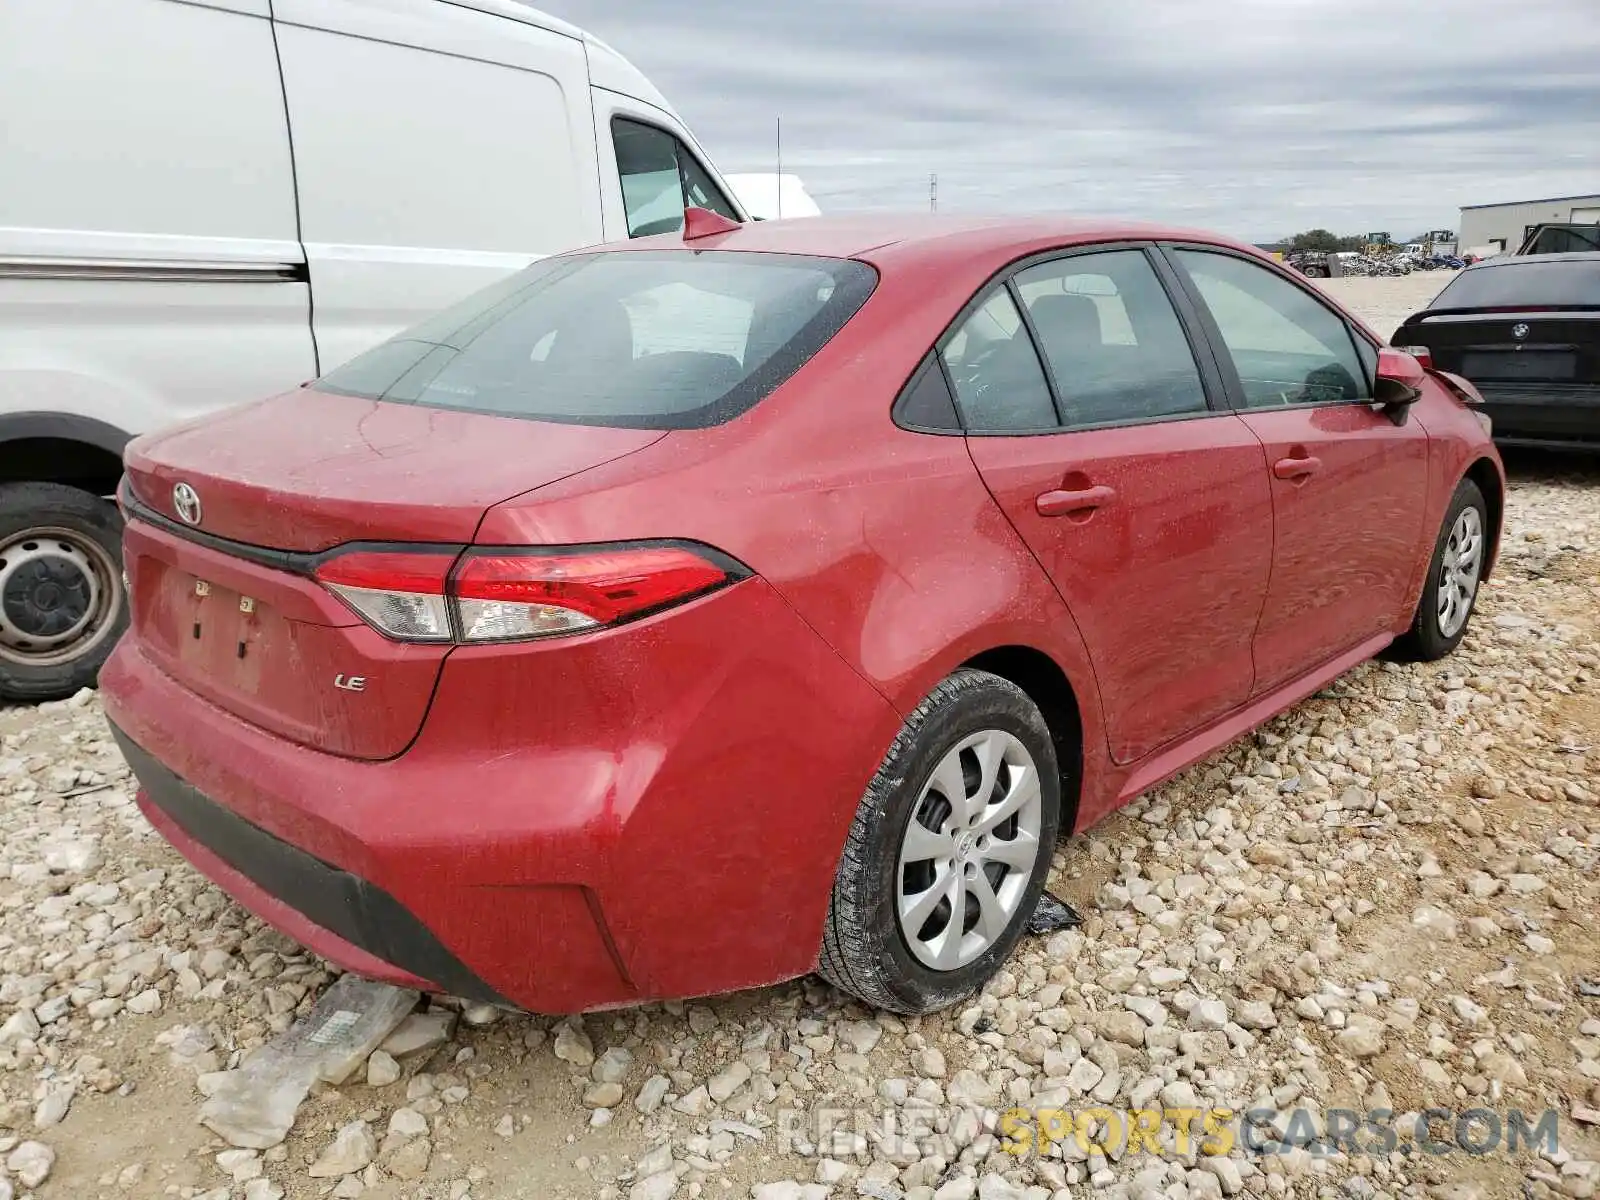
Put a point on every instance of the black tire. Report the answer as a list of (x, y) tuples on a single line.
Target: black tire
[(87, 530), (863, 950), (1425, 641)]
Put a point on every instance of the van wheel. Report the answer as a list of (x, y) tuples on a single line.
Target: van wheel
[(62, 600), (949, 849)]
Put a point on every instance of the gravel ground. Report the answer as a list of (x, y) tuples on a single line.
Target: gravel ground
[(1384, 900)]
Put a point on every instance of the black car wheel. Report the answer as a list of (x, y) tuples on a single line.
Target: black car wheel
[(949, 849)]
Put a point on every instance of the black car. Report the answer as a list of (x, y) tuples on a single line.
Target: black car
[(1526, 331)]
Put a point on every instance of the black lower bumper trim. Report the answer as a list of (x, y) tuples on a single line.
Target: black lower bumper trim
[(360, 912)]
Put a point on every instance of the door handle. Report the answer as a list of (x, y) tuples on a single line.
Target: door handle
[(1296, 468), (1063, 503)]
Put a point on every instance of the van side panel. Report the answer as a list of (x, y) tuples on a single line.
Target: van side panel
[(150, 268), (432, 156)]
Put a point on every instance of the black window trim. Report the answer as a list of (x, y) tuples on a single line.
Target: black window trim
[(1213, 382), (680, 149), (1234, 386)]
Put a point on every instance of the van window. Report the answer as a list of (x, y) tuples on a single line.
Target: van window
[(660, 178), (671, 339)]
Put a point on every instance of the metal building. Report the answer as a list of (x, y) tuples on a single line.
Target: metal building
[(1505, 225)]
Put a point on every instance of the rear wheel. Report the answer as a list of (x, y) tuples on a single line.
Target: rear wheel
[(62, 602), (1451, 589), (949, 850)]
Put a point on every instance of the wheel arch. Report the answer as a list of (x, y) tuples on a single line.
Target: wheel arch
[(65, 448), (1047, 685)]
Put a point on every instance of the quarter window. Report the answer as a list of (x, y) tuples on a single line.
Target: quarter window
[(1111, 339), (1287, 347), (999, 384), (660, 178)]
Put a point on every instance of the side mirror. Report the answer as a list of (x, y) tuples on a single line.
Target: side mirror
[(1398, 385)]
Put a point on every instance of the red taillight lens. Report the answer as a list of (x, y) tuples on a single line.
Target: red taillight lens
[(1421, 353), (512, 595), (516, 595)]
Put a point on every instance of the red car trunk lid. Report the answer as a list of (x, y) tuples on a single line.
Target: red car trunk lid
[(240, 622), (309, 470)]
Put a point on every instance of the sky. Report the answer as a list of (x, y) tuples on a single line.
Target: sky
[(1257, 118)]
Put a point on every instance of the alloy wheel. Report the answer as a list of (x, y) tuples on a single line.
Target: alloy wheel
[(969, 850), (1459, 571)]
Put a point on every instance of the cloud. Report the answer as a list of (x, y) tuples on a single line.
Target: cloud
[(1254, 117)]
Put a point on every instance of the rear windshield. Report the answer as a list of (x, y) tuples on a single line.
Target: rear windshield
[(1532, 283), (672, 339)]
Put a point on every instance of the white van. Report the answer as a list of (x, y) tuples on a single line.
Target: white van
[(208, 201)]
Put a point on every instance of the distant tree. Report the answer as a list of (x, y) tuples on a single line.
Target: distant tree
[(1315, 239), (1326, 241)]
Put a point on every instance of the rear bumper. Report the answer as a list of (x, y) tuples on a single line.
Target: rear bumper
[(1551, 415), (341, 916), (654, 812)]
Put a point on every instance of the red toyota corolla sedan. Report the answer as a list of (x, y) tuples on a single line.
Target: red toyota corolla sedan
[(689, 614)]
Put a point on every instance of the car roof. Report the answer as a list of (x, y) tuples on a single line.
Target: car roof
[(1511, 260), (911, 237)]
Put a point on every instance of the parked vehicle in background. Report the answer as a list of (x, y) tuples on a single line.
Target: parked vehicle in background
[(1526, 331), (1561, 238), (771, 197), (166, 246), (1081, 502), (1311, 263)]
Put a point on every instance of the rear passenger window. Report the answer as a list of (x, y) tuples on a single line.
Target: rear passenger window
[(998, 382), (1112, 339), (1288, 347), (927, 403), (660, 178)]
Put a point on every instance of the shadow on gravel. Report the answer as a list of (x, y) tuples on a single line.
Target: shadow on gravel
[(1525, 465)]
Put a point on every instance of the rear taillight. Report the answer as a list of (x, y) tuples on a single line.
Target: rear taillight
[(1421, 353), (398, 593), (516, 594)]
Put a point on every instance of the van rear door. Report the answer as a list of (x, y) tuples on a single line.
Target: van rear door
[(437, 148)]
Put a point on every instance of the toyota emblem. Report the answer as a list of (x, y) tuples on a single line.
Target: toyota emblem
[(1519, 330), (186, 502)]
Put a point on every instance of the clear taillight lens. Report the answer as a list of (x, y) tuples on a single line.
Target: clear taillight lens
[(398, 593), (514, 595)]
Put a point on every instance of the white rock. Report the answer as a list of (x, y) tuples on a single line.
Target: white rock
[(862, 1036), (20, 1025), (420, 1032), (31, 1163), (480, 1015), (1208, 1014), (573, 1045), (52, 1110), (352, 1149), (382, 1070), (612, 1066), (789, 1190), (146, 1002), (729, 1080), (652, 1093), (1362, 1037), (602, 1095)]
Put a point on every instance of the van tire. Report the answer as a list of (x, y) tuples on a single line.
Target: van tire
[(60, 583)]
